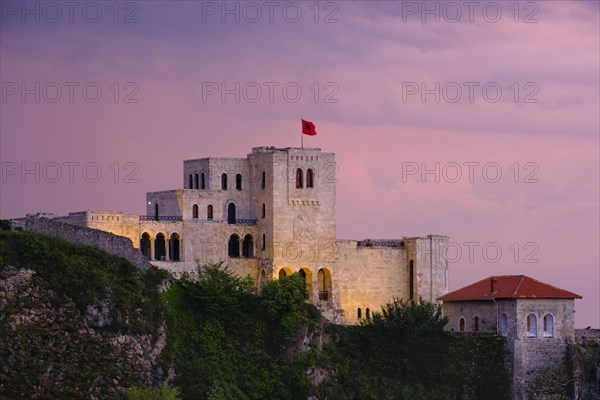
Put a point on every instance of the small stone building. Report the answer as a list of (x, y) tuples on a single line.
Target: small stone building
[(536, 319)]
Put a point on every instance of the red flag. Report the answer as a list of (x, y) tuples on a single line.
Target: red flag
[(308, 128)]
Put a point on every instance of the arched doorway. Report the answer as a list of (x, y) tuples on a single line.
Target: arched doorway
[(159, 247), (231, 213), (324, 282), (174, 247), (284, 272), (146, 246), (307, 275)]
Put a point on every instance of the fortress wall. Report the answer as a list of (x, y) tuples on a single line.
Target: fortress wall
[(112, 244), (536, 356), (431, 265), (369, 278), (170, 203)]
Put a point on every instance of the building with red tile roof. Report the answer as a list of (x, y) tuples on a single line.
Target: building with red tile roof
[(536, 318)]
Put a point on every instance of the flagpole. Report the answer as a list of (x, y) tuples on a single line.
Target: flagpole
[(302, 136)]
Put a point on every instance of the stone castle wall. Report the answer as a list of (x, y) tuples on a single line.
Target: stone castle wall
[(112, 244)]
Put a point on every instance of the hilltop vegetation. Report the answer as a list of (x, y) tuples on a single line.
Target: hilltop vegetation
[(220, 337)]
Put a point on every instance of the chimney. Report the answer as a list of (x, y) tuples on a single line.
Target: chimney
[(492, 284)]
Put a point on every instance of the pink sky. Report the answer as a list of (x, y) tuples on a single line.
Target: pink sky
[(366, 61)]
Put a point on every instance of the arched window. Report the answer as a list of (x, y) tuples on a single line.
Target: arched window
[(174, 247), (299, 178), (197, 179), (264, 210), (282, 273), (264, 180), (248, 246), (231, 213), (476, 324), (411, 280), (191, 182), (461, 325), (202, 181), (159, 247), (548, 325), (309, 178), (156, 211), (195, 211), (264, 242), (238, 182), (145, 245), (503, 325), (531, 326), (224, 182), (359, 313), (234, 246), (209, 212), (368, 313)]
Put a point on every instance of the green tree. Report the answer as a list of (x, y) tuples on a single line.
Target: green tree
[(401, 353), (159, 393)]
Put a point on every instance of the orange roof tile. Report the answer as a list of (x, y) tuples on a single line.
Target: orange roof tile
[(508, 287)]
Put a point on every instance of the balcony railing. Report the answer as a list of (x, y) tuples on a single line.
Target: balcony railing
[(381, 243), (160, 218), (324, 295), (245, 221)]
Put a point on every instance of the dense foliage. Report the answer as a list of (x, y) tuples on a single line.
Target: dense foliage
[(405, 353), (87, 275), (46, 348), (230, 343)]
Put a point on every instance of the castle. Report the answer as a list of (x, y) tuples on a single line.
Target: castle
[(272, 214)]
